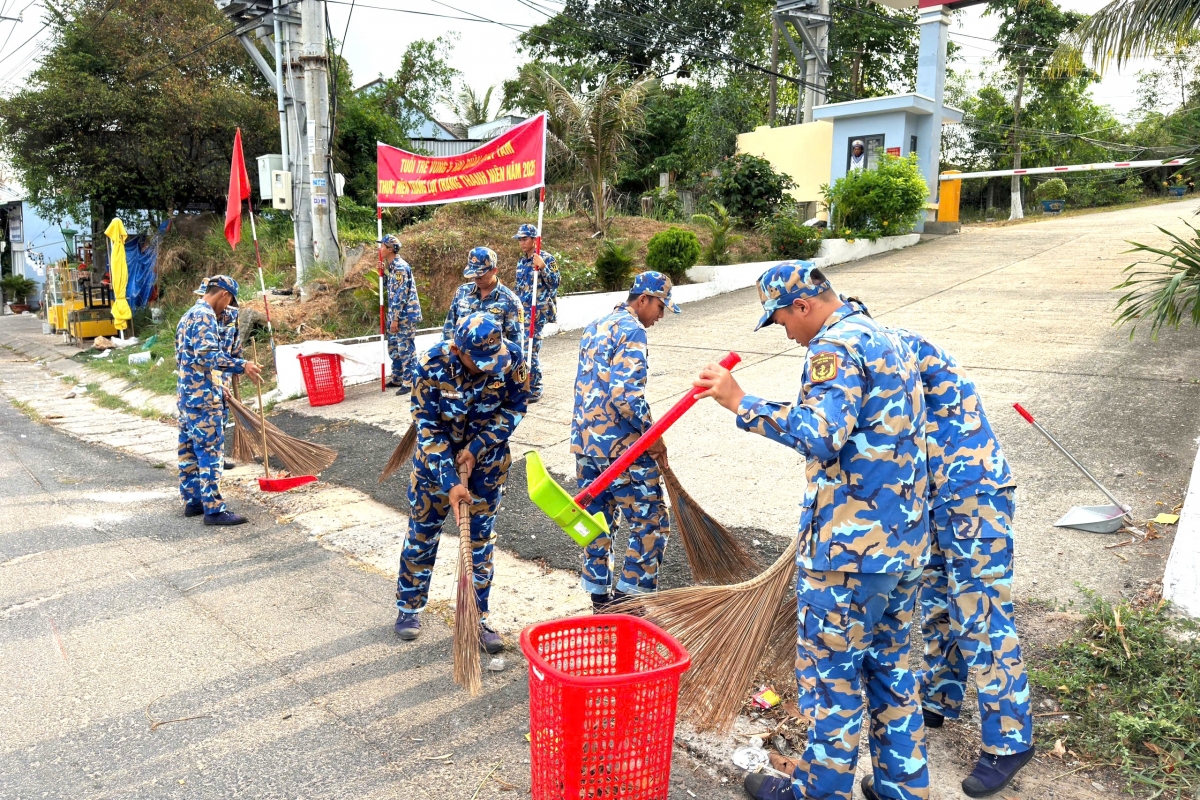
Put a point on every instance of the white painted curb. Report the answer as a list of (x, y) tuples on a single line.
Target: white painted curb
[(364, 355), (1181, 580)]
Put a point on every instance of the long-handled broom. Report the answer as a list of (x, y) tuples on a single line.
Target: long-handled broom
[(467, 668), (402, 453), (713, 553), (726, 629), (241, 447), (298, 456)]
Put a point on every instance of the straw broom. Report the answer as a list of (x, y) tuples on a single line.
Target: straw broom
[(402, 453), (241, 447), (468, 671), (713, 553), (298, 456), (726, 629)]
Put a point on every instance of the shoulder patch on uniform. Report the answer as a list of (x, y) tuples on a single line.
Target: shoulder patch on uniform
[(823, 367), (520, 371)]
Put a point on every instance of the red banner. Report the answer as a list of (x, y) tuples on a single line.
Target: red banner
[(513, 162)]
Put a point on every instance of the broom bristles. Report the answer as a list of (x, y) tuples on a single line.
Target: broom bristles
[(726, 630), (240, 448), (714, 554), (298, 456), (468, 672), (402, 453)]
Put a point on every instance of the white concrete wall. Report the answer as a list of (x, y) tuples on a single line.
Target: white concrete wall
[(1181, 580)]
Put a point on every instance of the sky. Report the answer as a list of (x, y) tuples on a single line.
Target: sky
[(485, 54)]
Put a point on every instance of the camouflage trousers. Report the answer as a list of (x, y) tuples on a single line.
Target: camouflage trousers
[(429, 507), (636, 496), (403, 353), (535, 368), (966, 600), (201, 448), (853, 638)]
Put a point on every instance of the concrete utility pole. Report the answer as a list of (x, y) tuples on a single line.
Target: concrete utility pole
[(315, 61)]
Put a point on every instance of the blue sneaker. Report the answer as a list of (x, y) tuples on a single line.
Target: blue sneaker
[(408, 626), (762, 786), (193, 509), (992, 772), (224, 518), (489, 640)]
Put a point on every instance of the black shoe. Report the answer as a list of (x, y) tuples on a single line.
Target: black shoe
[(533, 398), (992, 773), (224, 518), (600, 603), (762, 786), (867, 785), (403, 390), (489, 640), (408, 626), (932, 718), (228, 464), (193, 509), (393, 383)]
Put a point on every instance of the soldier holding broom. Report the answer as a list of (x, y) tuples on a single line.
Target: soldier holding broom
[(863, 538), (468, 397)]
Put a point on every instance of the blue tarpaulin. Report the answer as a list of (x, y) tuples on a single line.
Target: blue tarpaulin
[(142, 262)]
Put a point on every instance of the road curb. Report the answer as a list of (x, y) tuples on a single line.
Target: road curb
[(1181, 579)]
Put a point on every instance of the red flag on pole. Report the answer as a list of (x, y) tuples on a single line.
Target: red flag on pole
[(239, 190)]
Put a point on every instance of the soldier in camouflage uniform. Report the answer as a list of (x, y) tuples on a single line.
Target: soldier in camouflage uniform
[(468, 397), (966, 594), (403, 314), (547, 300), (485, 292), (610, 414), (863, 539), (198, 353)]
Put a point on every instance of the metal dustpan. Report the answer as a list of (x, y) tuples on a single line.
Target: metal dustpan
[(1093, 519)]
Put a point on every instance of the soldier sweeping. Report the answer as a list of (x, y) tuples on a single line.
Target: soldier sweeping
[(966, 593), (548, 280), (485, 292), (610, 414), (863, 539), (198, 353), (403, 314), (468, 397)]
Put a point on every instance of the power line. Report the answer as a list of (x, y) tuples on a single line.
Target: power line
[(423, 13)]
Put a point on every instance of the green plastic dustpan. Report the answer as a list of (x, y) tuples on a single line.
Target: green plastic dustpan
[(559, 506)]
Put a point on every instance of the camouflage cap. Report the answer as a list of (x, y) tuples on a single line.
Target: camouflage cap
[(787, 282), (222, 282), (203, 288), (654, 284), (479, 336), (526, 231), (480, 261), (392, 239)]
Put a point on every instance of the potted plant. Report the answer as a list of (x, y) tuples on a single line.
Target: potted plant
[(1052, 194), (18, 288), (1175, 185)]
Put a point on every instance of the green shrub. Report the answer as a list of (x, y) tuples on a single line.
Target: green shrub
[(575, 277), (673, 251), (614, 264), (667, 207), (719, 225), (790, 238), (750, 188), (1053, 189), (17, 288), (1092, 191), (885, 201)]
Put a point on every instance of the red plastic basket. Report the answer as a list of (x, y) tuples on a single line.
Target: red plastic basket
[(602, 697), (323, 378)]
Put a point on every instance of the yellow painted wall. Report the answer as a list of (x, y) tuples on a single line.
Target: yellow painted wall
[(803, 152)]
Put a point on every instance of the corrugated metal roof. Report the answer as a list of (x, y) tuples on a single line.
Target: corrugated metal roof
[(445, 147)]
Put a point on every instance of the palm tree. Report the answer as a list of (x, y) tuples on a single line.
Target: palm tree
[(1127, 29), (719, 224), (472, 109), (597, 125)]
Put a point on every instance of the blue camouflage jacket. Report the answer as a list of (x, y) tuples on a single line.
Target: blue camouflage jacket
[(964, 456), (453, 409), (403, 303), (198, 352), (860, 423), (548, 282), (611, 411), (227, 327), (502, 304)]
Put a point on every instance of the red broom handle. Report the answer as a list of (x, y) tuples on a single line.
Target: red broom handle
[(382, 301), (537, 248), (646, 439)]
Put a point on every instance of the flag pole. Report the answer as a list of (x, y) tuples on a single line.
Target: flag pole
[(533, 302), (262, 282), (382, 299)]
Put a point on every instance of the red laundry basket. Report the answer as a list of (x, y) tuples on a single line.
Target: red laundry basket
[(602, 697), (323, 378)]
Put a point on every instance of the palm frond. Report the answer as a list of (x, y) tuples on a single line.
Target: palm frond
[(1125, 30), (1164, 292)]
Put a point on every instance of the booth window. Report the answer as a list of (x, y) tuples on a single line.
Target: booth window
[(872, 147)]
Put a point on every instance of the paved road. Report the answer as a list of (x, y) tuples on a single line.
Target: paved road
[(115, 611)]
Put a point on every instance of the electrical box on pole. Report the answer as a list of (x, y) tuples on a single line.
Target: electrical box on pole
[(267, 165), (810, 19), (281, 190)]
